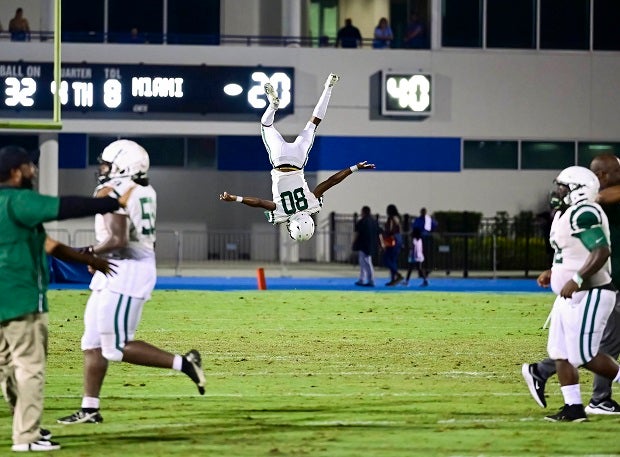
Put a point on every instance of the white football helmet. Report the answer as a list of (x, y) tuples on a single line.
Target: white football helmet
[(125, 159), (300, 226), (574, 185)]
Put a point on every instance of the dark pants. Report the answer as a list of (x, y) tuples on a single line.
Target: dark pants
[(610, 344), (390, 259)]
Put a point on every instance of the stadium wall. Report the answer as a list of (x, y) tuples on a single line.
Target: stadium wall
[(478, 94)]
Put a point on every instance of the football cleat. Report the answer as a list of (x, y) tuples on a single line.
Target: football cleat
[(82, 417), (607, 406), (272, 96), (332, 79), (569, 413), (198, 375), (535, 383)]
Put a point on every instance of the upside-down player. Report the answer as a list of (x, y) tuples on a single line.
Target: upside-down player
[(293, 203)]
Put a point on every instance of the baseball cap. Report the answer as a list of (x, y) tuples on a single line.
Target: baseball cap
[(11, 157)]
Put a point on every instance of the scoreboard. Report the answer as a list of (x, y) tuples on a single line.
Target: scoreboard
[(142, 90)]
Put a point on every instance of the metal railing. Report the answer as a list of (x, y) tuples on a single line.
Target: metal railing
[(488, 252)]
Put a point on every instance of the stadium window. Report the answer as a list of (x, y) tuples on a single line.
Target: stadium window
[(587, 150), (461, 23), (193, 21), (80, 27), (565, 24), (547, 155), (145, 15), (202, 152), (511, 24), (606, 19), (323, 15), (490, 154), (163, 151)]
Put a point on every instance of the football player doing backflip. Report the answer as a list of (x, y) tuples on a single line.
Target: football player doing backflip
[(293, 203)]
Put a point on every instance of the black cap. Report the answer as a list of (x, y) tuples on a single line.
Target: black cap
[(11, 157)]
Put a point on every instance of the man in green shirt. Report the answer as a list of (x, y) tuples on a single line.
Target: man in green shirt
[(25, 277)]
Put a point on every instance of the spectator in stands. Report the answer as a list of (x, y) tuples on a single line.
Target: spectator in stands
[(383, 35), (19, 27), (415, 34), (349, 36), (135, 36), (365, 242)]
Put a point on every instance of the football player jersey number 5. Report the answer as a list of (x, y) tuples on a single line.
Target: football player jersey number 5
[(148, 216), (294, 201)]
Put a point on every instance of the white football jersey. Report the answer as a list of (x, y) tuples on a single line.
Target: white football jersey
[(291, 195), (136, 270), (570, 252)]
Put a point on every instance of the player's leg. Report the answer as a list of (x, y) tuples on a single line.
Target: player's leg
[(118, 324), (95, 365), (274, 101), (560, 347), (318, 114), (536, 375), (601, 401), (300, 149)]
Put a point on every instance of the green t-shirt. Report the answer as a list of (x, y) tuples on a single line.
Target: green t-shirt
[(23, 262)]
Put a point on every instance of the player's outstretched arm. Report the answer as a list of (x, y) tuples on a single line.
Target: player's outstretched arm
[(337, 178), (250, 201)]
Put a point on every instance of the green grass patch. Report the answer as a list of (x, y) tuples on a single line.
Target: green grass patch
[(329, 374)]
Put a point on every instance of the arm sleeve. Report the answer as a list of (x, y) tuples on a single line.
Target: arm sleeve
[(73, 207)]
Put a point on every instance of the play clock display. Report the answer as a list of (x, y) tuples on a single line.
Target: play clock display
[(142, 90), (406, 94)]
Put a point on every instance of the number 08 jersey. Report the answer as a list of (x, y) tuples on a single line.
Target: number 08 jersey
[(574, 233), (291, 195)]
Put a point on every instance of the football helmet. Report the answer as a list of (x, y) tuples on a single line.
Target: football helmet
[(124, 159), (300, 226), (574, 185)]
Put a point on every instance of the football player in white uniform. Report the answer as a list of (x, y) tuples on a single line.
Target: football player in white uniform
[(581, 278), (293, 203), (114, 307)]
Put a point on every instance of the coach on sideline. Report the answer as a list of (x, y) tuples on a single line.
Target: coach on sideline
[(25, 276)]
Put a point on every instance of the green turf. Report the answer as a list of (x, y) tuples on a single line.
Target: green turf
[(323, 374)]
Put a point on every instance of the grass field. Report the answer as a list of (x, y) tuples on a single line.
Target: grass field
[(322, 374)]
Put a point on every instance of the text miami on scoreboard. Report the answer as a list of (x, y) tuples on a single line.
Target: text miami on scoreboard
[(142, 90)]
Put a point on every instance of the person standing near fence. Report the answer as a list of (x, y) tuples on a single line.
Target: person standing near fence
[(114, 308), (365, 242), (426, 224), (392, 243), (416, 258)]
